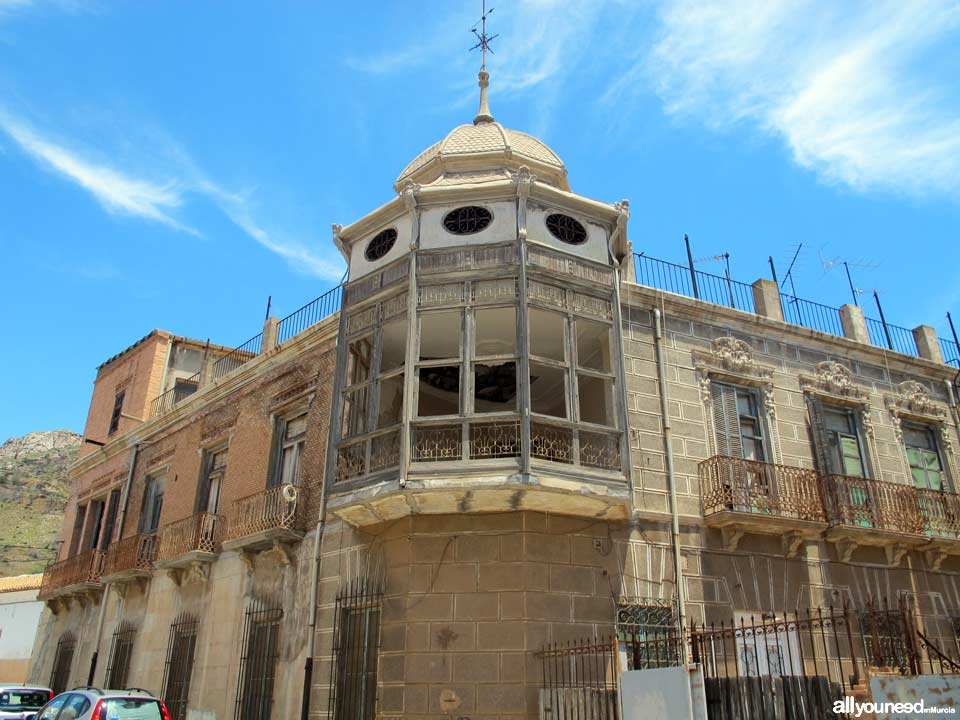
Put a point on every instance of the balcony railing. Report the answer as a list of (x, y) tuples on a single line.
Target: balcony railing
[(276, 508), (859, 502), (198, 533), (87, 567), (939, 512), (132, 553), (736, 485)]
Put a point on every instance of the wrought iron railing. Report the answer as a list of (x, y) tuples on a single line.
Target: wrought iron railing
[(310, 314), (183, 389), (87, 567), (676, 279), (198, 533), (892, 337), (950, 351), (272, 509), (132, 553), (731, 484), (939, 512), (813, 315), (859, 502), (237, 357)]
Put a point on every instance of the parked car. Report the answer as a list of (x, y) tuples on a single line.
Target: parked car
[(90, 703), (18, 702)]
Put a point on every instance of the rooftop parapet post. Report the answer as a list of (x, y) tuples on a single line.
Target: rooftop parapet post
[(766, 299), (928, 345), (271, 332), (854, 323)]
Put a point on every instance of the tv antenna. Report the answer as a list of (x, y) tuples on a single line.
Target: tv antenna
[(854, 290), (484, 39), (789, 275), (724, 258)]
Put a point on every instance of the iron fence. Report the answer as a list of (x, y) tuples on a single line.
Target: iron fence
[(178, 669), (121, 652), (950, 351), (892, 337), (725, 291), (237, 357), (356, 644), (812, 315), (310, 314), (62, 662), (258, 660), (581, 679), (663, 275), (181, 390)]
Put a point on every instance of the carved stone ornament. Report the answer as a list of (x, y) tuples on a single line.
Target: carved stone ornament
[(835, 380), (732, 356), (913, 398)]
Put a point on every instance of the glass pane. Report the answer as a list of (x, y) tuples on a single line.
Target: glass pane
[(919, 437), (439, 335), (290, 465), (752, 449), (495, 387), (913, 457), (358, 362), (746, 403), (850, 453), (296, 426), (548, 393), (390, 401), (496, 331), (546, 334), (919, 477), (439, 391), (932, 461), (593, 345), (837, 420), (354, 412), (596, 400), (393, 344)]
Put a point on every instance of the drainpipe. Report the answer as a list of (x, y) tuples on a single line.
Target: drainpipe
[(954, 410), (312, 627), (671, 475), (135, 448)]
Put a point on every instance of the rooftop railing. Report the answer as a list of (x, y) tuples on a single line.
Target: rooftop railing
[(893, 337), (950, 351), (310, 314), (812, 315)]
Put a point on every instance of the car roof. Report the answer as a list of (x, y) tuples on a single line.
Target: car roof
[(21, 686), (133, 693)]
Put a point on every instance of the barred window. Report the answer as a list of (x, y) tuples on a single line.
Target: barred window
[(178, 670), (647, 629), (356, 646), (258, 663), (121, 653), (381, 244), (566, 229), (467, 220), (62, 661), (117, 411)]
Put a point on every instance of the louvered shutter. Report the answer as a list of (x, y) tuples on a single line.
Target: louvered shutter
[(726, 420), (203, 488), (827, 460), (276, 447)]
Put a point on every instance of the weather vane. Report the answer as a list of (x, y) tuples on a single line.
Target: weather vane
[(485, 41)]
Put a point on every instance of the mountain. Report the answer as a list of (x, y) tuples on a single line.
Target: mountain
[(33, 496)]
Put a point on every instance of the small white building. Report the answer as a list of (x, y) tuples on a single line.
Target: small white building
[(19, 618)]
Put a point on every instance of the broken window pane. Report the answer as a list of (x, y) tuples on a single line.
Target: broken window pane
[(439, 335), (495, 387), (358, 361), (390, 400), (548, 392), (393, 344), (496, 331), (546, 334), (439, 391), (354, 412), (593, 345), (596, 399)]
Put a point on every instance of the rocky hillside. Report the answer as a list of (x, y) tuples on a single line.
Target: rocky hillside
[(33, 495)]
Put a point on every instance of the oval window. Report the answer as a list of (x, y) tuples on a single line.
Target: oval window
[(567, 229), (467, 220), (381, 244)]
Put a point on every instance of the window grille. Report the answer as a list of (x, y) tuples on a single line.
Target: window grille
[(179, 666), (121, 652), (62, 661), (650, 626), (258, 661), (356, 646), (884, 637), (467, 220), (381, 244), (566, 229)]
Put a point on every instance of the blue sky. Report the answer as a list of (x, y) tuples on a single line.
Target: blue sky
[(173, 164)]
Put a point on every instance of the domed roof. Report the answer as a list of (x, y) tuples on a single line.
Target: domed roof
[(485, 150)]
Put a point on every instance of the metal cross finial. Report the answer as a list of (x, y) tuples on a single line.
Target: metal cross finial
[(485, 41)]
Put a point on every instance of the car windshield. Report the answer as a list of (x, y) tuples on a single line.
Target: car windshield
[(130, 709), (25, 699)]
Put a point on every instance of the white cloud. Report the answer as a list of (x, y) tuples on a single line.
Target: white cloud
[(130, 192), (850, 87)]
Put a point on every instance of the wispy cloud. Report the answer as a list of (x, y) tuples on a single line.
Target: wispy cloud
[(850, 87), (136, 192)]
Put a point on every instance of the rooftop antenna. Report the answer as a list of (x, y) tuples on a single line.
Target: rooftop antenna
[(789, 275), (483, 114), (724, 258), (854, 290)]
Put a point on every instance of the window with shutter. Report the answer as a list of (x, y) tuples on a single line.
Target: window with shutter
[(923, 454), (737, 422), (844, 448)]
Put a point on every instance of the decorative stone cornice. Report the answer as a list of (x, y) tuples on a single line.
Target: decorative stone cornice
[(913, 399), (834, 381)]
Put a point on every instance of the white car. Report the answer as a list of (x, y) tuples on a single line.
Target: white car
[(21, 702), (90, 703)]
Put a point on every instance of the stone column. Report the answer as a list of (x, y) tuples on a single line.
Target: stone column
[(766, 299), (271, 331), (854, 324), (927, 343)]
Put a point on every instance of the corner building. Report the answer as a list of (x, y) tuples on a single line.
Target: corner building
[(491, 439)]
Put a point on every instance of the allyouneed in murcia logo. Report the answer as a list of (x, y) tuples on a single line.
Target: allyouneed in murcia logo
[(849, 706)]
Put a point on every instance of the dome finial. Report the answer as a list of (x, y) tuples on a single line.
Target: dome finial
[(483, 114)]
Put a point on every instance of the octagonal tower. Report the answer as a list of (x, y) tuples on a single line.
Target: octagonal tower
[(480, 362)]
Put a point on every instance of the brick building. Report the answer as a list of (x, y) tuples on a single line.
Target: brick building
[(503, 432)]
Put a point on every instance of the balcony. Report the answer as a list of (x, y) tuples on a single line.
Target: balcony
[(741, 496), (266, 519), (131, 558), (74, 576), (190, 544)]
